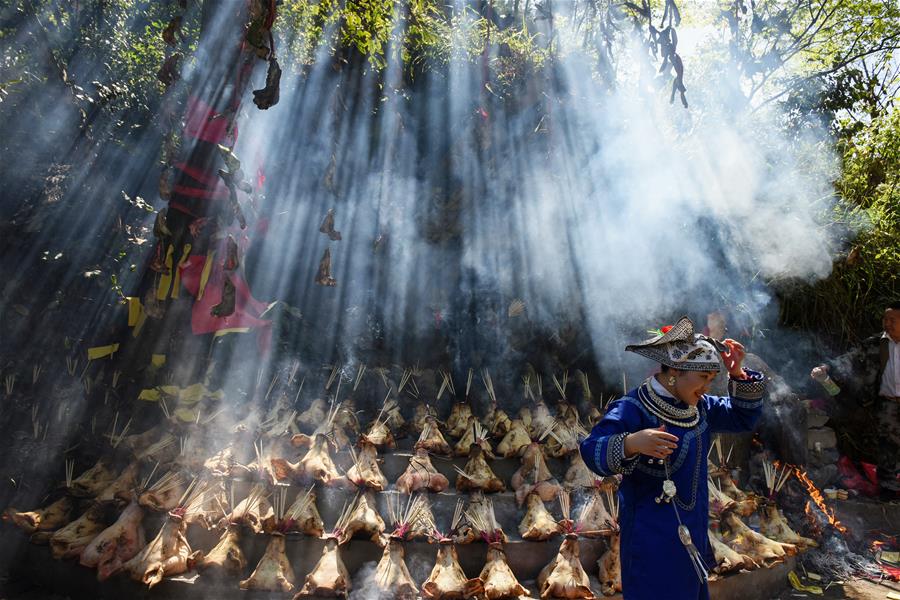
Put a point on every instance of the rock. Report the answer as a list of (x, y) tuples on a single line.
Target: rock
[(820, 438), (816, 417)]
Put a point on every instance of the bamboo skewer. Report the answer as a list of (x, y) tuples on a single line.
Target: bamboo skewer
[(489, 385), (300, 505), (585, 384), (292, 374), (70, 471), (561, 386), (564, 503), (359, 376), (445, 384), (404, 379), (334, 372), (271, 386), (776, 477)]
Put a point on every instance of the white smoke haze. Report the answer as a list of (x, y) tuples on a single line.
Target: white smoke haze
[(610, 211), (615, 209)]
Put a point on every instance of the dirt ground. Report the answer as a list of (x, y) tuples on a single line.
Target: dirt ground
[(852, 590)]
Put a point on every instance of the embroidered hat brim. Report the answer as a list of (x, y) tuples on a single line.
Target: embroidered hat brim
[(681, 348)]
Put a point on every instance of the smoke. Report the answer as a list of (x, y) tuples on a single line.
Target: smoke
[(606, 212)]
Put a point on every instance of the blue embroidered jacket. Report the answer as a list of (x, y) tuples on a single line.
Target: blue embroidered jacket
[(654, 562)]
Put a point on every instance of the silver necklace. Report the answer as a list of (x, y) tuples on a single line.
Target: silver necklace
[(681, 417), (670, 495)]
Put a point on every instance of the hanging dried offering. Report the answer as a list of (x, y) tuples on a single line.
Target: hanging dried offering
[(363, 520), (231, 254), (327, 226), (255, 511), (515, 440), (564, 577), (226, 555), (728, 560), (497, 422), (226, 306), (329, 578), (165, 493), (598, 516), (365, 472), (323, 276), (447, 580), (477, 475), (268, 96), (534, 475), (431, 439), (499, 582), (169, 72), (168, 554), (48, 518), (578, 475), (72, 539), (475, 435), (273, 573), (755, 545), (117, 544), (458, 420), (392, 578), (773, 525), (537, 524), (610, 568), (122, 488), (93, 481), (171, 30), (380, 435), (420, 474)]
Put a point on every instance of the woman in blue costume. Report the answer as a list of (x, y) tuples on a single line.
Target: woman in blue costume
[(658, 436)]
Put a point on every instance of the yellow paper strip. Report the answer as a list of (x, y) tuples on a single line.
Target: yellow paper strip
[(134, 310), (204, 276), (149, 395), (101, 351), (158, 360), (140, 324), (165, 280), (795, 583), (222, 332), (187, 415)]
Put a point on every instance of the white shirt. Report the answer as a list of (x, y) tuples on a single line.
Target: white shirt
[(659, 389), (890, 379)]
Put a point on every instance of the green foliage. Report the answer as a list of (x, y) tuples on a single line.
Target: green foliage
[(415, 33), (849, 303)]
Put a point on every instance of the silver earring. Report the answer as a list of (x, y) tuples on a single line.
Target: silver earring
[(671, 380)]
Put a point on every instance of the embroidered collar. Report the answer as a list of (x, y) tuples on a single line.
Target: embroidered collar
[(663, 409)]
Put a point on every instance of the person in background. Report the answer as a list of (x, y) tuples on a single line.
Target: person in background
[(658, 437), (870, 375)]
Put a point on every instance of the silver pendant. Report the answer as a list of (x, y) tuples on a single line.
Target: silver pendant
[(685, 536), (669, 488)]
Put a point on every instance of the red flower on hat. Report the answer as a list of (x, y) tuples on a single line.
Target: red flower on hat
[(665, 330)]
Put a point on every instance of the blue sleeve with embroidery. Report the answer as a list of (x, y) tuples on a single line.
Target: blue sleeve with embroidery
[(741, 409), (604, 449)]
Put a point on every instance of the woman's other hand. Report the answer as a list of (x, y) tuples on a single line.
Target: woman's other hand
[(657, 443)]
